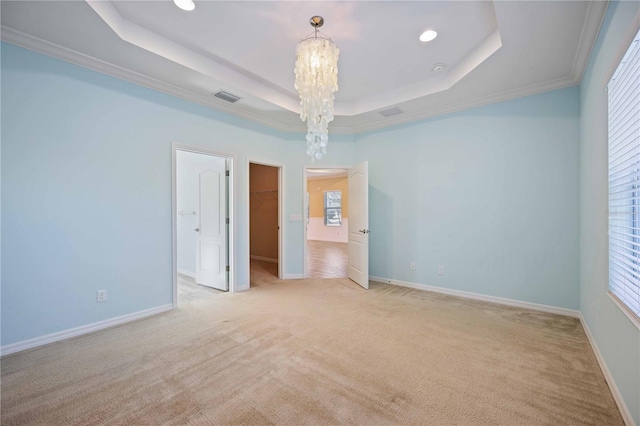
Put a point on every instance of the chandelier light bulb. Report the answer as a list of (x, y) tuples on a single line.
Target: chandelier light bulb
[(316, 81), (187, 5)]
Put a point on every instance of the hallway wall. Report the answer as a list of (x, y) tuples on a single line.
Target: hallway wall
[(316, 229)]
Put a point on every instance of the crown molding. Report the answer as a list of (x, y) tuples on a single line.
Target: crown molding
[(534, 89), (377, 101), (596, 12), (48, 48), (238, 79), (45, 47)]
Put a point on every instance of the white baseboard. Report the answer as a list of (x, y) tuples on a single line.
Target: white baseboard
[(294, 276), (264, 259), (624, 411), (617, 396), (78, 331), (187, 273), (476, 296)]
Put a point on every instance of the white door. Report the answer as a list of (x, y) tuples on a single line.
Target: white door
[(211, 240), (359, 224)]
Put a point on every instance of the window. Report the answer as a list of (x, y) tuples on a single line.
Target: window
[(624, 180), (333, 208)]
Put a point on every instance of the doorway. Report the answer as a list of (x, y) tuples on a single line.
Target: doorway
[(327, 223), (356, 225), (202, 232), (265, 224)]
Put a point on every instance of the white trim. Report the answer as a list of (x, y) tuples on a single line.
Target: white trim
[(85, 329), (596, 11), (492, 299), (305, 177), (418, 116), (36, 44), (281, 204), (187, 273), (48, 48), (233, 228), (617, 396), (625, 309), (294, 277), (210, 66), (263, 259)]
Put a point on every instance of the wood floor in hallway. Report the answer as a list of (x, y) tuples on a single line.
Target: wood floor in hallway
[(327, 259), (189, 291)]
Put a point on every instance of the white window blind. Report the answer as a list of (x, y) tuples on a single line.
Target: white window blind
[(624, 180), (333, 208)]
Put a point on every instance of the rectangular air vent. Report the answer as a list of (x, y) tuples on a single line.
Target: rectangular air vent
[(391, 111), (226, 96)]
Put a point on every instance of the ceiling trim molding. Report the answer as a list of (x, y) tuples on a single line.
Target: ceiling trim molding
[(45, 47), (468, 104), (245, 81), (150, 41), (48, 48), (480, 53), (596, 12)]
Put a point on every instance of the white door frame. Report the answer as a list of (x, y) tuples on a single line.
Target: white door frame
[(232, 215), (304, 206), (281, 230)]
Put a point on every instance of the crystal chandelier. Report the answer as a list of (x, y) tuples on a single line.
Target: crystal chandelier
[(316, 81)]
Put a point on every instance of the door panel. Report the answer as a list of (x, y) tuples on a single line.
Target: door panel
[(359, 224), (211, 253)]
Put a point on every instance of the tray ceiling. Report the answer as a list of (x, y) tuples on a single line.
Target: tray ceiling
[(492, 50)]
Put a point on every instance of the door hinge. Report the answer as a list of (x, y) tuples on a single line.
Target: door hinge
[(227, 172), (227, 268), (227, 221)]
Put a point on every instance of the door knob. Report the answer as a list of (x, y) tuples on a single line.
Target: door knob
[(197, 229), (364, 231)]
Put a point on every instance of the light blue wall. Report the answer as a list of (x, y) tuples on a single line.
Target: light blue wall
[(86, 191), (617, 338), (489, 193)]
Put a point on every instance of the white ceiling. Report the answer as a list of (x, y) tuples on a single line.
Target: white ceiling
[(493, 51), (326, 173)]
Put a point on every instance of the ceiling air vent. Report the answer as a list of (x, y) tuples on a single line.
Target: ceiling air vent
[(226, 96), (391, 111)]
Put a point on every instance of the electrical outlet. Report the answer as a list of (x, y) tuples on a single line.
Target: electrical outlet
[(102, 296), (440, 270), (413, 266)]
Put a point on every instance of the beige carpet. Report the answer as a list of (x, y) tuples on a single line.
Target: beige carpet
[(317, 352)]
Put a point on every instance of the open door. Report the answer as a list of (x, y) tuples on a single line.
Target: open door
[(359, 224), (211, 240)]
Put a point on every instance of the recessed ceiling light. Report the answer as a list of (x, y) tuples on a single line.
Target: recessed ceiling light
[(428, 36), (439, 67), (185, 4)]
